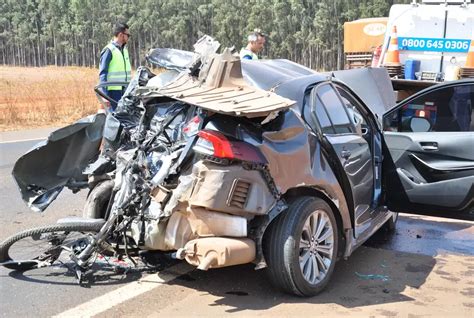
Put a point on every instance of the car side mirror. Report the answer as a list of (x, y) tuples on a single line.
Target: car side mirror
[(419, 124)]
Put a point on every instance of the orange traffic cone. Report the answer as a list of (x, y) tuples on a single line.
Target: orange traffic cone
[(470, 56), (392, 56)]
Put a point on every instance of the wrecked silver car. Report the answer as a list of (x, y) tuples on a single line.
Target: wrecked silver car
[(222, 162)]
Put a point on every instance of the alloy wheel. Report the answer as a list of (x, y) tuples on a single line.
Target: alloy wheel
[(316, 247)]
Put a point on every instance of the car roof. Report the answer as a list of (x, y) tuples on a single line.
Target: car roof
[(291, 80)]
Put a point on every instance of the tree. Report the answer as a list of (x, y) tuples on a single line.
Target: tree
[(73, 32)]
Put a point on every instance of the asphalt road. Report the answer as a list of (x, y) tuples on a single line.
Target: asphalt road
[(15, 215), (425, 269)]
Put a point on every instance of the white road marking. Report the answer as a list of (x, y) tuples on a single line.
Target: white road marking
[(124, 293), (22, 140)]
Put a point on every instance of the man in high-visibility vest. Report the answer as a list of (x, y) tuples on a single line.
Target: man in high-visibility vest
[(256, 41), (115, 63)]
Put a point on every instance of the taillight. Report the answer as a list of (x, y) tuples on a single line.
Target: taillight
[(214, 143), (192, 127)]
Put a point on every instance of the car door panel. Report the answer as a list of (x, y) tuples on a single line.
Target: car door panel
[(447, 193), (442, 165), (348, 133), (428, 163), (454, 149), (355, 157), (431, 172)]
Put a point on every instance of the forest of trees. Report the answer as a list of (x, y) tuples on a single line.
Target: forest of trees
[(73, 32)]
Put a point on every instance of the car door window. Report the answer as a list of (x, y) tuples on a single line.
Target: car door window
[(442, 110), (336, 111), (352, 105), (315, 114), (322, 116)]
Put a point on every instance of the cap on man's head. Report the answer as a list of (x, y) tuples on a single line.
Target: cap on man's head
[(120, 27)]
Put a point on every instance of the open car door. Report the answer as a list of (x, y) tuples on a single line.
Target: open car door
[(428, 161)]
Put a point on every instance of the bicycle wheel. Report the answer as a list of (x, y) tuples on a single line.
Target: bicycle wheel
[(42, 246)]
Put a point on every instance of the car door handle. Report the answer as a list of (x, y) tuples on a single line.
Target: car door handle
[(429, 145), (345, 154)]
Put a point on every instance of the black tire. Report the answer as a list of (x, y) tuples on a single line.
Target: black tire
[(98, 200), (22, 251), (391, 225), (288, 239)]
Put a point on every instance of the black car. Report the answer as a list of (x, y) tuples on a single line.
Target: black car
[(311, 164)]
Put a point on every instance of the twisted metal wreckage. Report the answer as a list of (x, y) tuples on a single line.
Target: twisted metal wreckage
[(225, 151)]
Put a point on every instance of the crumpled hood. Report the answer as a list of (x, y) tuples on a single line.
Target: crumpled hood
[(372, 85), (43, 171)]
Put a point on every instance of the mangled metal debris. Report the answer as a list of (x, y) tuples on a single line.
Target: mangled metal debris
[(220, 88), (222, 162)]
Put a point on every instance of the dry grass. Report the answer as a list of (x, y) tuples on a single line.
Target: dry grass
[(32, 97)]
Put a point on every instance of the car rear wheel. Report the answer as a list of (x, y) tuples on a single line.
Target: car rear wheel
[(301, 247)]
